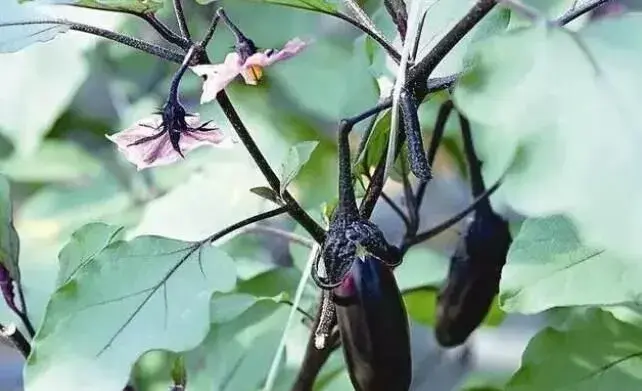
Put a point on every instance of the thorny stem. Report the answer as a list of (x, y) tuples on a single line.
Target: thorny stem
[(143, 46), (575, 13), (180, 18), (293, 208), (16, 338)]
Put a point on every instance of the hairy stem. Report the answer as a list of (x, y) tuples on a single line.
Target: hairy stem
[(135, 43), (293, 208), (180, 18), (164, 31), (575, 13)]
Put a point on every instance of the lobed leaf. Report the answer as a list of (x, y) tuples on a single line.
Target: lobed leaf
[(148, 293)]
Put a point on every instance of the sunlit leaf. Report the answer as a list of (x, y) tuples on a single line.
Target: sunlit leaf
[(149, 293), (83, 246), (549, 266), (593, 352), (16, 37), (548, 110)]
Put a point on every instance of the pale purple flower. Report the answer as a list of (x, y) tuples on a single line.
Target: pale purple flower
[(249, 66), (153, 141)]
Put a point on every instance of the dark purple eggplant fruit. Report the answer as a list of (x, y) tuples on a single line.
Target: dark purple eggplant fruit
[(374, 327)]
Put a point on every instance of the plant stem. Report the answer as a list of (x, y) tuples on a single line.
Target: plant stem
[(135, 43), (575, 13), (164, 31), (293, 208), (180, 18), (23, 314), (243, 223)]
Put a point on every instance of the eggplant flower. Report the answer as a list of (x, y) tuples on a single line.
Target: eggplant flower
[(246, 61), (163, 138)]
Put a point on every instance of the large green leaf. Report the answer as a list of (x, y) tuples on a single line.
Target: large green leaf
[(15, 37), (139, 6), (83, 247), (562, 111), (593, 352), (149, 293), (549, 266), (9, 241)]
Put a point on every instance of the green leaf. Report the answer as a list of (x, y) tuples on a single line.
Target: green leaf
[(14, 38), (149, 293), (83, 246), (297, 157), (544, 111), (138, 6), (268, 194), (313, 5), (593, 352), (237, 352), (55, 161), (548, 266), (9, 241)]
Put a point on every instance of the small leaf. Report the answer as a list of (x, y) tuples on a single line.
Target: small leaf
[(592, 352), (14, 38), (83, 246), (268, 194), (548, 266), (55, 161), (137, 6), (9, 241), (298, 155), (149, 293)]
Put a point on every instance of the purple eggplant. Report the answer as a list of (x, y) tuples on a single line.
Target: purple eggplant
[(374, 327), (476, 266)]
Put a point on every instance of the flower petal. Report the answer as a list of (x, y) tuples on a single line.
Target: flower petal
[(269, 57), (158, 151), (218, 76)]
